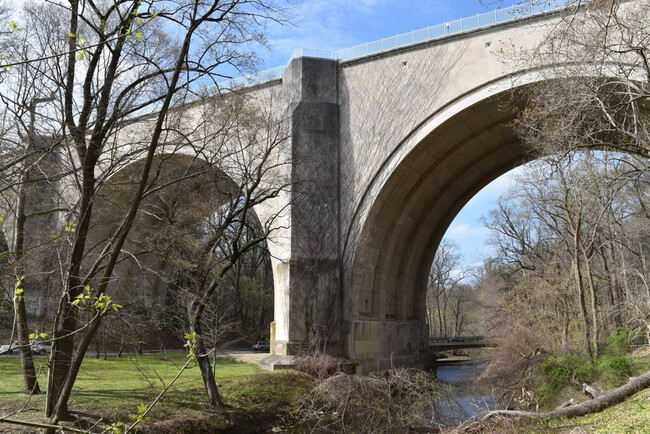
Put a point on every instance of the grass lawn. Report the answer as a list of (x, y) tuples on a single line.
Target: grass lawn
[(113, 389)]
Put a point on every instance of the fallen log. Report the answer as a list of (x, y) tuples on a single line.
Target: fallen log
[(591, 391), (568, 403), (634, 385)]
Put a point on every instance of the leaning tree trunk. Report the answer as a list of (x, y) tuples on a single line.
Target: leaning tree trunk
[(26, 360), (214, 398)]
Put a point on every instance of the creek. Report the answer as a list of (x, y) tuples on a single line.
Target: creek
[(466, 400)]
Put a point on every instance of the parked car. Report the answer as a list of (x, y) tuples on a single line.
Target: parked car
[(8, 349), (41, 348), (262, 346)]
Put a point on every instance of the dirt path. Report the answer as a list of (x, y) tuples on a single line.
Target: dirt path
[(246, 355)]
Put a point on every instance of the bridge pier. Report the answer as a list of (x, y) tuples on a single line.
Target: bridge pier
[(310, 298)]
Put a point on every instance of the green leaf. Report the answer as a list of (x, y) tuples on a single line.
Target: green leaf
[(43, 335), (2, 218), (139, 35), (14, 27), (75, 302), (32, 335)]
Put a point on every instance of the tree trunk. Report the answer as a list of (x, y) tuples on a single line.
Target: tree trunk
[(609, 263), (565, 333), (439, 312), (593, 304), (26, 359), (581, 291), (214, 398), (29, 372), (613, 397)]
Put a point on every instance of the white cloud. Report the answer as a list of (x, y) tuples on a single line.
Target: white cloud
[(464, 230)]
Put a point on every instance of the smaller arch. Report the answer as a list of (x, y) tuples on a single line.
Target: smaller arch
[(178, 218)]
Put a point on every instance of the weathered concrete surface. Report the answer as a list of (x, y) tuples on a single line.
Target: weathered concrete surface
[(422, 130), (310, 86)]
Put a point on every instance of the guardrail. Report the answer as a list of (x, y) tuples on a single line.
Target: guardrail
[(431, 33)]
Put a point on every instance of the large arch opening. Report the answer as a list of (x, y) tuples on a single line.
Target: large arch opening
[(407, 220), (413, 207), (187, 235)]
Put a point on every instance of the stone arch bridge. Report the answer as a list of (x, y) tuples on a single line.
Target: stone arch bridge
[(385, 150)]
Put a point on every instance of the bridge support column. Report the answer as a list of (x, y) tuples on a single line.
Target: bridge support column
[(312, 307)]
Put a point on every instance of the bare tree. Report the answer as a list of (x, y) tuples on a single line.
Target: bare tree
[(600, 50), (106, 64), (444, 291)]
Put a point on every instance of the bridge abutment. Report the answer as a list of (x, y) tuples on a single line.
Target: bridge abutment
[(378, 345)]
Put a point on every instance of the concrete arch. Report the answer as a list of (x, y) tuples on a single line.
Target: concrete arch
[(406, 211), (178, 209), (187, 157)]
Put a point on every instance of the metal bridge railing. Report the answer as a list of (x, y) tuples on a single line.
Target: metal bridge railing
[(497, 16), (440, 31)]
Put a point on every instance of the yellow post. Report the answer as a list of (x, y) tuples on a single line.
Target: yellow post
[(272, 334)]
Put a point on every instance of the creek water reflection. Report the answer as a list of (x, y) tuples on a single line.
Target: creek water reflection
[(466, 400)]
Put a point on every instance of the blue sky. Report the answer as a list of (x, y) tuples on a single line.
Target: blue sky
[(467, 231), (336, 24)]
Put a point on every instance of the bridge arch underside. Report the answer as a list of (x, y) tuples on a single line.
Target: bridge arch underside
[(163, 265), (387, 285)]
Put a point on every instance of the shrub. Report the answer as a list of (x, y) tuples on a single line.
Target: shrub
[(393, 402), (615, 370), (561, 371), (319, 365), (619, 342)]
